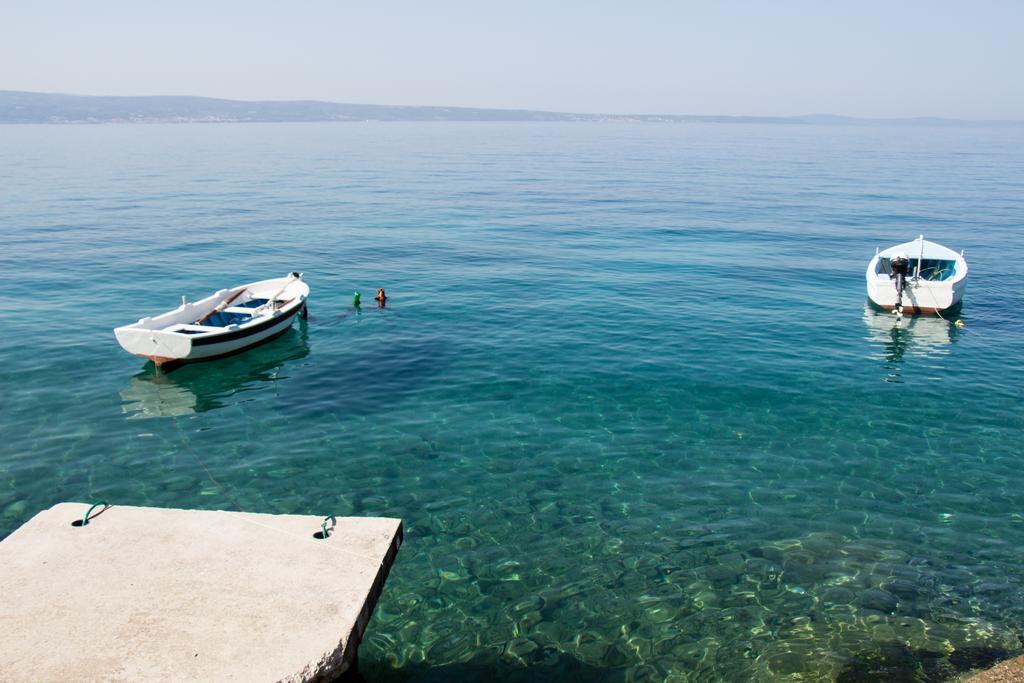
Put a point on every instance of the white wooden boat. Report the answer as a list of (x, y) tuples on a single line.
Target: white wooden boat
[(917, 277), (224, 323)]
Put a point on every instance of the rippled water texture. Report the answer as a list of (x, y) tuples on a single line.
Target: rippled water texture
[(627, 395)]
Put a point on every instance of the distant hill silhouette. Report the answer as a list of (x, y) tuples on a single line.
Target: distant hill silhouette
[(32, 107)]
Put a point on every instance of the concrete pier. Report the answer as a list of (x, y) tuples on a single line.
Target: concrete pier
[(147, 594)]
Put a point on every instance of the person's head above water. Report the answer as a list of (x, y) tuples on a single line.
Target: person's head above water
[(381, 296)]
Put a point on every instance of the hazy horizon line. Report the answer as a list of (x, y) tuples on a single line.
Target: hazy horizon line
[(806, 118)]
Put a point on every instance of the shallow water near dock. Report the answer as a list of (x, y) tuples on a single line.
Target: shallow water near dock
[(627, 394)]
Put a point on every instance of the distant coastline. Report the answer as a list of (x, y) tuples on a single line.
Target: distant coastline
[(51, 108)]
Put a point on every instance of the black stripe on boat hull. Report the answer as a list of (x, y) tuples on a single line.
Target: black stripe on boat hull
[(178, 362), (242, 334)]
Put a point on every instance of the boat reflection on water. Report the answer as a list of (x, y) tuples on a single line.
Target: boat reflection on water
[(922, 337), (199, 387)]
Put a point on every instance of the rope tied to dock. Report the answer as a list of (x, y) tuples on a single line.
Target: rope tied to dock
[(323, 527), (238, 506), (85, 520)]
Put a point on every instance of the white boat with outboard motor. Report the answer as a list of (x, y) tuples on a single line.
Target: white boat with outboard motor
[(917, 277), (224, 323)]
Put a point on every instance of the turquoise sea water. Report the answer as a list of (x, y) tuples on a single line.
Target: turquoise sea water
[(627, 395)]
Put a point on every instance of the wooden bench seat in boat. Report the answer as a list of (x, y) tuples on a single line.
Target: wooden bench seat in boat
[(192, 329)]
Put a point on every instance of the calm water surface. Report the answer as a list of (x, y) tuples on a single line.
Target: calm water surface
[(627, 395)]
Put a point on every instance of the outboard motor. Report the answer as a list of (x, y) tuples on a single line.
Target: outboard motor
[(900, 269)]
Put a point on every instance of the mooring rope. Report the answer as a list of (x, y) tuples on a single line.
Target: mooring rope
[(957, 324), (188, 447), (240, 508)]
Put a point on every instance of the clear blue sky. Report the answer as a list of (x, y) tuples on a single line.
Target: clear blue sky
[(773, 57)]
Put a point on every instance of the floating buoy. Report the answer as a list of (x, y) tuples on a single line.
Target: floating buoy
[(355, 299), (959, 324)]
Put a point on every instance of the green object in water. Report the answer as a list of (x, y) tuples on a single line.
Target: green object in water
[(355, 299)]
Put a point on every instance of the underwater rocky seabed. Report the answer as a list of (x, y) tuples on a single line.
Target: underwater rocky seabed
[(627, 395)]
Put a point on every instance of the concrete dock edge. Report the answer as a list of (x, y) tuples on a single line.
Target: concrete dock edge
[(149, 594)]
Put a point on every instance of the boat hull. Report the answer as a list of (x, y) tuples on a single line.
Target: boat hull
[(220, 349), (923, 298)]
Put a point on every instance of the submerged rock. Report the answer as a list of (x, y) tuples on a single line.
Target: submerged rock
[(15, 510), (880, 600), (902, 588), (837, 595)]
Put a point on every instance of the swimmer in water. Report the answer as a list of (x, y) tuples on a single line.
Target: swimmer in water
[(382, 298)]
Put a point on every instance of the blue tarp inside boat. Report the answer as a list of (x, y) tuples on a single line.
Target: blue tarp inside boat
[(931, 269)]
